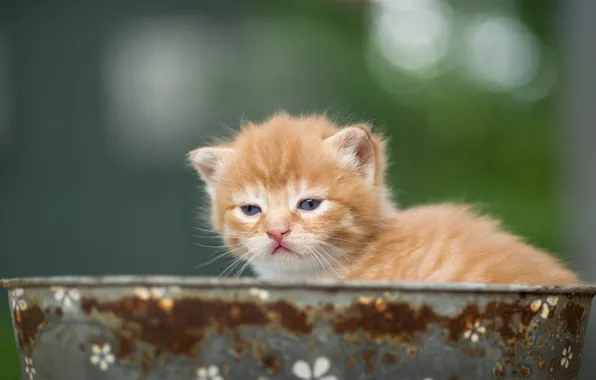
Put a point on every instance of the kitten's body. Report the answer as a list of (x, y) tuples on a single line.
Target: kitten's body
[(451, 243), (300, 198)]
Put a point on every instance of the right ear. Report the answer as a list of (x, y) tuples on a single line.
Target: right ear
[(354, 148), (209, 163)]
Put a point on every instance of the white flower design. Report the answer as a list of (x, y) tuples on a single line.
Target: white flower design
[(102, 356), (546, 306), (302, 369), (474, 330), (149, 293), (567, 356), (209, 373), (16, 300), (29, 370), (174, 289), (262, 294), (67, 297), (20, 305)]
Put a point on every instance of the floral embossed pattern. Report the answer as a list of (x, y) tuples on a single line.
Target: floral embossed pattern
[(66, 297), (29, 369), (116, 336), (474, 330), (102, 356), (17, 300), (545, 306), (319, 369), (209, 373), (567, 356)]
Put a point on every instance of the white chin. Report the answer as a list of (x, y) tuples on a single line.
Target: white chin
[(286, 267)]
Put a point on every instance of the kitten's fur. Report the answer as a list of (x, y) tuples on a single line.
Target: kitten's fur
[(356, 232)]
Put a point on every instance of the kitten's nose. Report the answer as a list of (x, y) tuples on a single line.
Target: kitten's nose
[(277, 234)]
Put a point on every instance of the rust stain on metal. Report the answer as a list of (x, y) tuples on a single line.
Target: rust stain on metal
[(525, 371), (367, 359), (529, 341), (510, 319), (554, 364), (225, 369), (350, 363), (328, 308), (475, 352), (28, 321), (290, 317), (499, 371), (176, 329), (380, 305), (166, 304), (509, 327), (412, 351), (365, 316), (177, 326), (367, 355), (271, 362), (239, 345), (390, 358), (146, 360), (572, 315), (126, 344)]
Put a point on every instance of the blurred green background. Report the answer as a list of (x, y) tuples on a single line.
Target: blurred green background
[(100, 101)]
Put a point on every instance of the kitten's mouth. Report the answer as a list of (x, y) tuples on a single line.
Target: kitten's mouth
[(280, 249)]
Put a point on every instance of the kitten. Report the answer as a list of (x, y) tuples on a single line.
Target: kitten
[(300, 198)]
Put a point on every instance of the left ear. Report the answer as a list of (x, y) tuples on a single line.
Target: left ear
[(354, 148), (209, 162)]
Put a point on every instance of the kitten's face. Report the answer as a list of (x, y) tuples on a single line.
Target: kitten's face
[(294, 227), (294, 197)]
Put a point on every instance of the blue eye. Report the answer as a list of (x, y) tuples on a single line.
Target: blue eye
[(251, 210), (309, 204)]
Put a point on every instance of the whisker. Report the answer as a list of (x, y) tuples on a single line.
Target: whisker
[(219, 236), (325, 255), (205, 229), (317, 260), (338, 250), (208, 237), (214, 246), (231, 267), (246, 264), (321, 256), (219, 256), (217, 233), (361, 242)]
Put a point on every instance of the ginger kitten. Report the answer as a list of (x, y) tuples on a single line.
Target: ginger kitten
[(300, 198)]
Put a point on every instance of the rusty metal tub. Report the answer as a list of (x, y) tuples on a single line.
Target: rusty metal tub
[(180, 328)]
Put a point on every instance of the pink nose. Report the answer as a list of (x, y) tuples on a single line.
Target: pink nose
[(277, 234)]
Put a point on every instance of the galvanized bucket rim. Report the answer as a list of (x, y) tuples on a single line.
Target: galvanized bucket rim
[(198, 282)]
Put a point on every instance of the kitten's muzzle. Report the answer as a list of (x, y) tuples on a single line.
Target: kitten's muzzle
[(278, 234)]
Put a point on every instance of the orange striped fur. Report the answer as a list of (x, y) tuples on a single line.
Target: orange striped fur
[(261, 182)]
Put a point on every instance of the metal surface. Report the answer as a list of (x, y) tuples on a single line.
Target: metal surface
[(200, 329)]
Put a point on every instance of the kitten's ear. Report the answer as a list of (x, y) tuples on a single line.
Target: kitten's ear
[(209, 163), (355, 150)]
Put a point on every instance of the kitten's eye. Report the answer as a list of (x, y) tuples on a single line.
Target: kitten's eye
[(251, 210), (309, 204)]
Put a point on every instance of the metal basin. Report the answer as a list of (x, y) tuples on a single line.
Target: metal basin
[(212, 329)]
